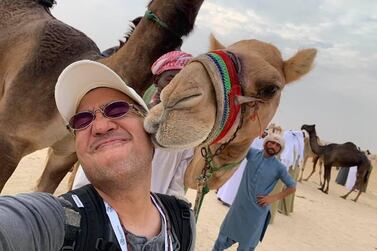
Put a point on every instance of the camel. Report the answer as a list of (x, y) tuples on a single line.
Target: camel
[(35, 47), (273, 128), (193, 106), (344, 155), (308, 153)]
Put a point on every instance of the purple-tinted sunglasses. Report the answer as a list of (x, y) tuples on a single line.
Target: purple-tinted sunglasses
[(112, 110)]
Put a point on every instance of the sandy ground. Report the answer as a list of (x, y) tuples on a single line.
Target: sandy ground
[(319, 222)]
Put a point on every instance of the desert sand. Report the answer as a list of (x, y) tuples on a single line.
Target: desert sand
[(319, 221)]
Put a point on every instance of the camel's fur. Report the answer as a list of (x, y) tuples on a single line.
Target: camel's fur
[(187, 111), (340, 155), (35, 47)]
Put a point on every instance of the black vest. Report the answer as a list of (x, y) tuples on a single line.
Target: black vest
[(96, 233)]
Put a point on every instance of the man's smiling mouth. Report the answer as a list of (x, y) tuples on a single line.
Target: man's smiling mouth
[(109, 143)]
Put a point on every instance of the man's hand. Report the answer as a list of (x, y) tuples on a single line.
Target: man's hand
[(266, 200)]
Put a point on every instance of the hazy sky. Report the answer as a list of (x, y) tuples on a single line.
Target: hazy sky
[(339, 95)]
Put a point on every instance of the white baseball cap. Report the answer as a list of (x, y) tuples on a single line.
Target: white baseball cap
[(80, 77)]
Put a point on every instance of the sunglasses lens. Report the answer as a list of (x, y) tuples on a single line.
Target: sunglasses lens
[(116, 109), (81, 120)]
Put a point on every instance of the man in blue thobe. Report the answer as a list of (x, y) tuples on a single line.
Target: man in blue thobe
[(248, 217)]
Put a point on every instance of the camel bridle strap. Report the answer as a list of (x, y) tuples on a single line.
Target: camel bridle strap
[(223, 73), (150, 15), (221, 67), (211, 167), (232, 88)]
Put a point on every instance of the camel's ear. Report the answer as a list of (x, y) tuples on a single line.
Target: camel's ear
[(299, 64), (214, 44)]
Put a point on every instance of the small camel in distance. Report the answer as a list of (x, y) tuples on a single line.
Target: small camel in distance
[(344, 155)]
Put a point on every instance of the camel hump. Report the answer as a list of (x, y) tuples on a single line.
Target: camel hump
[(52, 46), (351, 145), (60, 44)]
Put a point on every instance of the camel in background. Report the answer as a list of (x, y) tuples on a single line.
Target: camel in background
[(35, 47), (276, 129), (308, 153), (344, 155), (220, 102)]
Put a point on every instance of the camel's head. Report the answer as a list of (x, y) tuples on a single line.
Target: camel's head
[(192, 108), (308, 128)]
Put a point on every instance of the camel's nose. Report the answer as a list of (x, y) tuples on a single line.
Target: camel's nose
[(150, 127), (153, 119)]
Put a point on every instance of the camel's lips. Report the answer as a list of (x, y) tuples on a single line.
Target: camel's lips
[(155, 142)]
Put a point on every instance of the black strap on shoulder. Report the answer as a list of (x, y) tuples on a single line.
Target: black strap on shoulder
[(179, 215), (95, 231)]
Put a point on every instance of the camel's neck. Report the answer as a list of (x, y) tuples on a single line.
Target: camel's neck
[(234, 152), (313, 140), (149, 41)]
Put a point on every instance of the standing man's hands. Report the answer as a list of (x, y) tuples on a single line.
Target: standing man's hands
[(266, 200)]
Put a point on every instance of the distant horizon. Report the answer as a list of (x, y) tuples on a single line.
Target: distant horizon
[(338, 95)]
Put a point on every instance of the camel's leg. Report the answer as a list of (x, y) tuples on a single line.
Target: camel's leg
[(326, 179), (357, 196), (315, 160), (11, 152), (61, 158), (322, 186), (72, 176), (328, 176), (302, 169), (320, 170), (350, 191), (361, 181)]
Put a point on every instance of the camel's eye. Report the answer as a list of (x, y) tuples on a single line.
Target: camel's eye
[(268, 91), (184, 102)]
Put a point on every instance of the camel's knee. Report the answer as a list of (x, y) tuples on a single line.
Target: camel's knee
[(11, 152), (60, 158), (55, 170), (72, 176)]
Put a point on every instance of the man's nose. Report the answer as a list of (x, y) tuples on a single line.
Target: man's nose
[(102, 125)]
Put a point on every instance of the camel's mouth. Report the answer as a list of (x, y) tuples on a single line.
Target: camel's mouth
[(155, 142)]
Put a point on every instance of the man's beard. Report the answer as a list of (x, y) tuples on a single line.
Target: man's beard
[(270, 151), (122, 174)]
